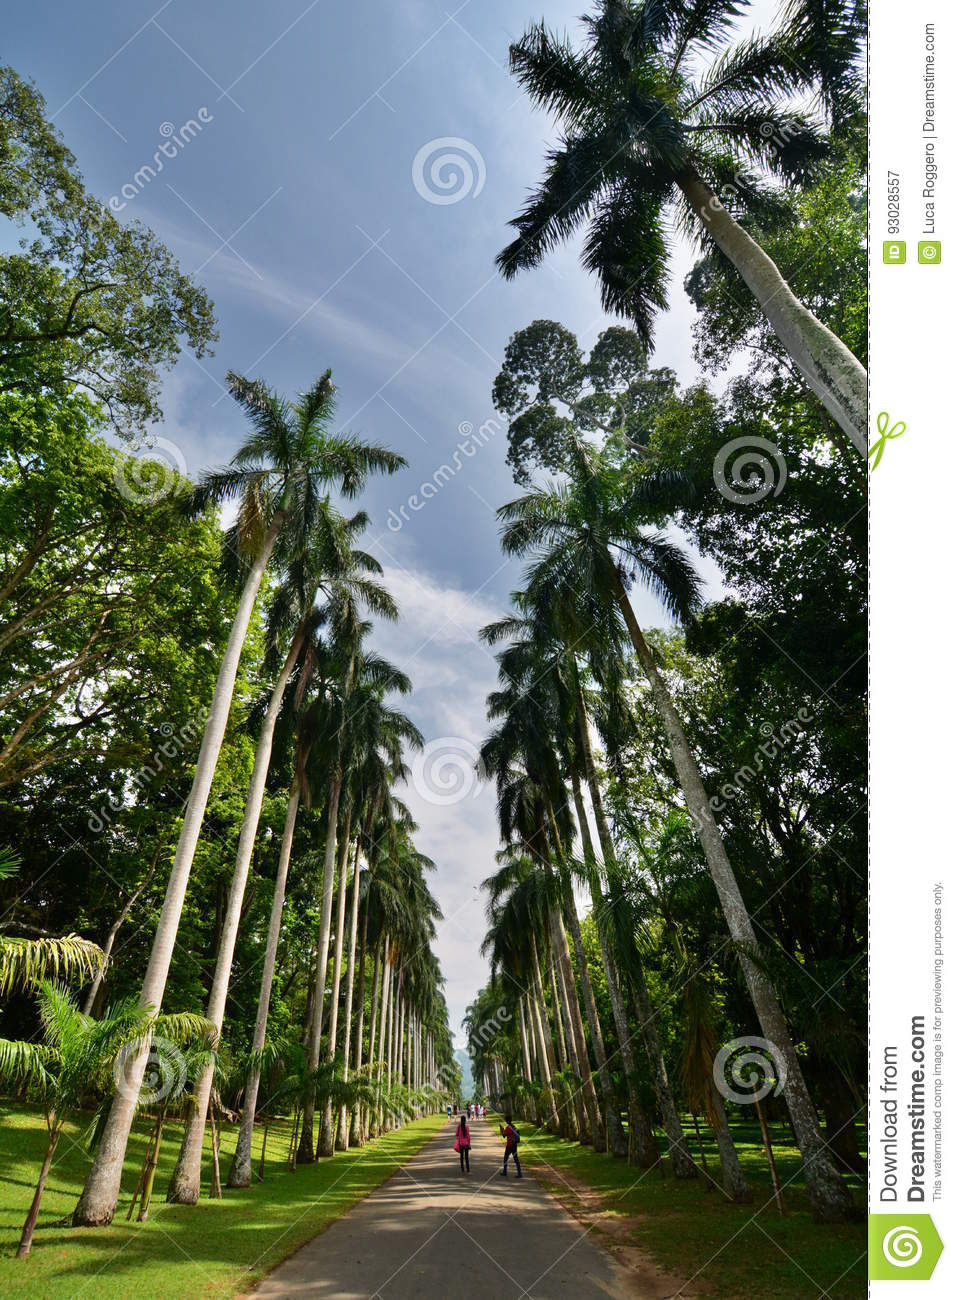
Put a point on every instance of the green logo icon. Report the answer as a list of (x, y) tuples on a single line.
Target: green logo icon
[(928, 252), (895, 252), (902, 1247), (887, 431)]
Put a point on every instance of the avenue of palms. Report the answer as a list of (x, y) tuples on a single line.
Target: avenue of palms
[(221, 858)]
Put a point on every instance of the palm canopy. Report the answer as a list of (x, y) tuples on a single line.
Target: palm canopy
[(640, 123), (585, 535), (287, 463)]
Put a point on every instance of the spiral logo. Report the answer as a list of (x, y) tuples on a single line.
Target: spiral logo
[(448, 770), (767, 129), (757, 469), (744, 1074), (447, 170), (465, 428), (167, 129), (149, 475), (902, 1246), (163, 1073)]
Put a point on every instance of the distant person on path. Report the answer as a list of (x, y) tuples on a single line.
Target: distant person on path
[(510, 1134), (448, 1107), (463, 1140)]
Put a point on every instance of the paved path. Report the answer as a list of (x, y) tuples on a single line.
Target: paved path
[(431, 1231)]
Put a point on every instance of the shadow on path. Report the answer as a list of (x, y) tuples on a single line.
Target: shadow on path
[(431, 1230)]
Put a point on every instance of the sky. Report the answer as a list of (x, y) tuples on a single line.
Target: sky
[(298, 185)]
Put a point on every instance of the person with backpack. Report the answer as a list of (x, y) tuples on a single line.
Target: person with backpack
[(511, 1135), (463, 1141)]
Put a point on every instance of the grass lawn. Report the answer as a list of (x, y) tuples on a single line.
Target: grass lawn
[(218, 1248), (732, 1251)]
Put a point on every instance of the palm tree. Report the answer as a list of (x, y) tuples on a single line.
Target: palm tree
[(327, 559), (588, 545), (25, 962), (348, 631), (279, 477), (75, 1054), (644, 130)]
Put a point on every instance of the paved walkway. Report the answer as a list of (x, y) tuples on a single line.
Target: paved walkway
[(431, 1231)]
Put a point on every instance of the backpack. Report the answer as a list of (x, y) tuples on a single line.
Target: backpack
[(516, 1136)]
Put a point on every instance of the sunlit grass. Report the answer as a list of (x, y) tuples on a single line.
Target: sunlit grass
[(217, 1248), (732, 1251)]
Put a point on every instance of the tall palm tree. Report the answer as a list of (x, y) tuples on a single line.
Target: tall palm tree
[(368, 724), (279, 477), (348, 631), (643, 131), (588, 545), (327, 560)]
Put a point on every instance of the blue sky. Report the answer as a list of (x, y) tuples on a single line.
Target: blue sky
[(296, 203)]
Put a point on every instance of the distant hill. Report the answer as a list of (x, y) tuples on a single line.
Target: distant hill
[(468, 1084)]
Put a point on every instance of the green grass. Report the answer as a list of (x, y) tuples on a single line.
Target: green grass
[(218, 1248), (732, 1251)]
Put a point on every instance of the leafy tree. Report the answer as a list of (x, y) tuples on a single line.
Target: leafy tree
[(553, 395), (98, 596), (87, 302)]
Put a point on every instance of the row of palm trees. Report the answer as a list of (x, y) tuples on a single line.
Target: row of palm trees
[(589, 542), (652, 133), (326, 717)]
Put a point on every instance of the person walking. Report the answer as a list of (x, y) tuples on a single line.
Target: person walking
[(463, 1141), (511, 1136)]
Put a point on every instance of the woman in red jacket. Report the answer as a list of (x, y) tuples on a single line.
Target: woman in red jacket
[(463, 1141)]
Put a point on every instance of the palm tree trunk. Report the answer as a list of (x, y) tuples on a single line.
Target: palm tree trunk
[(185, 1183), (306, 1154), (578, 1029), (327, 1132), (241, 1172), (616, 1141), (26, 1237), (829, 1197), (831, 369), (384, 1001), (682, 1161), (646, 1151), (365, 1122), (732, 1176), (356, 1123), (216, 1187), (342, 1139), (546, 1050), (151, 1167), (564, 1011), (262, 1154), (97, 1204)]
